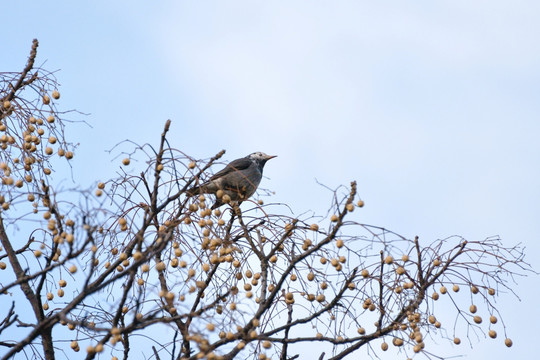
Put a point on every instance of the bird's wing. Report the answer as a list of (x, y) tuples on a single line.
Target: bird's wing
[(236, 165)]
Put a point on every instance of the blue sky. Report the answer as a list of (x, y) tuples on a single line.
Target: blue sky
[(433, 107)]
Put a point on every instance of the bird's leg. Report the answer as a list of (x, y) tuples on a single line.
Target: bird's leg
[(235, 212), (236, 208), (229, 227)]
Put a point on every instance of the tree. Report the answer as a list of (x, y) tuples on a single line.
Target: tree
[(108, 268)]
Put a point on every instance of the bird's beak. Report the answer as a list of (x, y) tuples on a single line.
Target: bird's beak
[(270, 157)]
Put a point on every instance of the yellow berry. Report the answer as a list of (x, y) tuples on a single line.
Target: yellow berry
[(365, 273)]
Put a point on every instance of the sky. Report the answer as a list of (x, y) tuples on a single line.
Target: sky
[(432, 107)]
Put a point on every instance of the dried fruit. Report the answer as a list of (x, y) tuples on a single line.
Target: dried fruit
[(365, 273)]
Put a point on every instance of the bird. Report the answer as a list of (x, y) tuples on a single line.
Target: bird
[(239, 179)]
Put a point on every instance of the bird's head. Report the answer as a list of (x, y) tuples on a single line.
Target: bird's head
[(260, 157)]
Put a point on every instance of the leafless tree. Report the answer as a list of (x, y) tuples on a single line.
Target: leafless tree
[(135, 268)]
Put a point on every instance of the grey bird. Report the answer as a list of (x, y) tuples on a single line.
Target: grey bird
[(239, 179)]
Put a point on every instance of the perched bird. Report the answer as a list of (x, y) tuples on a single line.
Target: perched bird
[(239, 179)]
